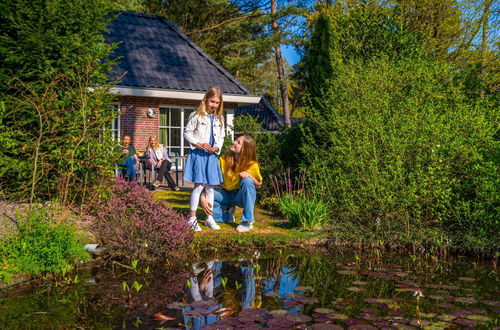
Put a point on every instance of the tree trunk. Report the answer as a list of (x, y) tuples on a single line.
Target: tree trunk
[(484, 40), (281, 71)]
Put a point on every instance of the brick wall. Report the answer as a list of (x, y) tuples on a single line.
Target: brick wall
[(135, 121)]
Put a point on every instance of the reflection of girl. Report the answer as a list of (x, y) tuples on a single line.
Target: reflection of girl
[(205, 132), (201, 288), (202, 282)]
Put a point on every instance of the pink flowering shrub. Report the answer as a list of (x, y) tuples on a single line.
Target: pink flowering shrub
[(130, 224)]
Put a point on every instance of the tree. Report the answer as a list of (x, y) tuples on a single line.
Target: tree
[(54, 56)]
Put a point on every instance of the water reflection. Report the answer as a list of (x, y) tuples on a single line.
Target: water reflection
[(218, 288), (284, 291)]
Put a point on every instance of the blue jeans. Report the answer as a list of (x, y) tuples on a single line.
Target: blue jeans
[(244, 197), (130, 168)]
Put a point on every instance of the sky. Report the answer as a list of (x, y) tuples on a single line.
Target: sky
[(290, 54)]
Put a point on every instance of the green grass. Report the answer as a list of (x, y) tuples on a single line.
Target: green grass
[(268, 231)]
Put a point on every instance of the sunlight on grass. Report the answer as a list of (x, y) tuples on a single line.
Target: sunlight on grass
[(268, 229)]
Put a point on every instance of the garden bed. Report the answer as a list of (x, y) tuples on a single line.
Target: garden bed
[(268, 231)]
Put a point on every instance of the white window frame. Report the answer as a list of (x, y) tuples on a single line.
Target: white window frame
[(117, 120), (182, 109)]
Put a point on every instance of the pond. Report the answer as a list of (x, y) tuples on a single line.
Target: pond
[(279, 290)]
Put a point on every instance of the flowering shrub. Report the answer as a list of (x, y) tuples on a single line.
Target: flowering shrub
[(132, 225)]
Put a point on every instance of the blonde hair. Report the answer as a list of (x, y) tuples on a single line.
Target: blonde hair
[(153, 138), (211, 92), (248, 156)]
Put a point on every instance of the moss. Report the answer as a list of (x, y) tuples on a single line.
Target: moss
[(269, 230)]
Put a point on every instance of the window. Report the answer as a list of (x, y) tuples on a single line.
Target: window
[(115, 124), (172, 123)]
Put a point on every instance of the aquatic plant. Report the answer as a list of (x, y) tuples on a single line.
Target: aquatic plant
[(132, 225)]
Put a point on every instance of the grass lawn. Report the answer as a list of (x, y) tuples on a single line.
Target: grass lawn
[(268, 230)]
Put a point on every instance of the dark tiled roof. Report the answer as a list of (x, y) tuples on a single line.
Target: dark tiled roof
[(152, 52), (264, 113)]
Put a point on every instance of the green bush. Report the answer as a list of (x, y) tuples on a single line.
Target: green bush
[(398, 145), (40, 246), (304, 212)]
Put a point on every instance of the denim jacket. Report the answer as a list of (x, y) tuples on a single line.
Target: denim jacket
[(197, 130)]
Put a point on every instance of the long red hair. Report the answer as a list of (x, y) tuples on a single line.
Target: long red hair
[(248, 156)]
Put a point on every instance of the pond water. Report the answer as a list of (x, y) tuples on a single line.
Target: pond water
[(281, 290)]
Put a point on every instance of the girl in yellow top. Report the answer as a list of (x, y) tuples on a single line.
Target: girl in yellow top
[(241, 173)]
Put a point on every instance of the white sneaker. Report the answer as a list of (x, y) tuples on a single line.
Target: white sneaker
[(210, 222), (244, 227), (193, 224)]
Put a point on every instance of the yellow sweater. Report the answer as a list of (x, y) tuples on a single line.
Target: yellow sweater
[(233, 182)]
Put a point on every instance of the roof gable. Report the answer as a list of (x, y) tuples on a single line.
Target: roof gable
[(153, 53)]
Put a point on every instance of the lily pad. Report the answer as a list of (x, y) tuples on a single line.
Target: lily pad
[(325, 326), (298, 318), (204, 303), (479, 318), (420, 323), (446, 317), (304, 289), (361, 327), (337, 316), (466, 322), (492, 303), (465, 300), (280, 321), (354, 289), (277, 312), (176, 305), (324, 310)]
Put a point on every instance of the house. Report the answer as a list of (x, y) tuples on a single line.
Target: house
[(264, 113), (162, 77)]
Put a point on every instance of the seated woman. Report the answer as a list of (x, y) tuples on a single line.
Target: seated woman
[(241, 174), (157, 156)]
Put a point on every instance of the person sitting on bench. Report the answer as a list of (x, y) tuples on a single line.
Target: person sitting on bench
[(157, 156)]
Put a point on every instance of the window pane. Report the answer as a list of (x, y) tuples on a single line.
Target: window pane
[(187, 112), (175, 117), (175, 139), (163, 116), (163, 138)]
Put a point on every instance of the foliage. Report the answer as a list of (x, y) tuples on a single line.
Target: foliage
[(53, 56), (269, 149), (304, 212), (398, 143), (132, 225), (394, 141), (40, 246)]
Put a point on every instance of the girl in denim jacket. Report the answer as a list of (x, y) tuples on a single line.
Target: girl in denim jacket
[(205, 133)]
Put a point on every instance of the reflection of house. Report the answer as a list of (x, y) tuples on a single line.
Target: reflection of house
[(163, 76)]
